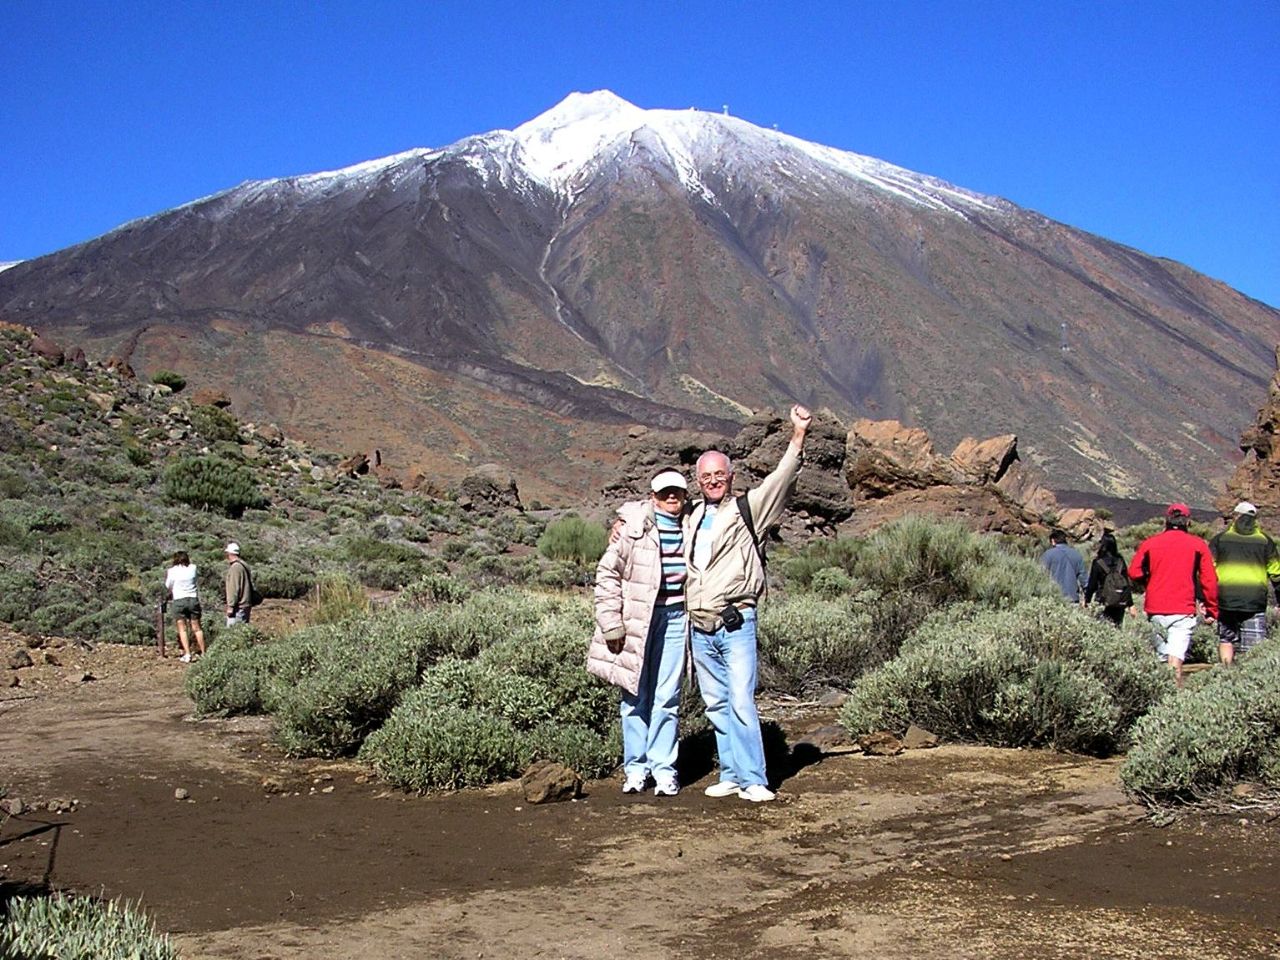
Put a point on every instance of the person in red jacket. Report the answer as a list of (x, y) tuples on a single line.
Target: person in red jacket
[(1177, 570)]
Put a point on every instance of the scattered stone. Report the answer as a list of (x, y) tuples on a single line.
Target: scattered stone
[(918, 738), (356, 465), (328, 789), (76, 358), (828, 741), (273, 785), (51, 659), (121, 368), (1242, 791), (59, 805), (14, 681), (490, 490), (20, 659), (181, 794), (35, 643), (880, 744), (81, 676), (13, 806), (209, 397), (547, 782), (48, 349), (833, 698), (271, 435), (106, 402)]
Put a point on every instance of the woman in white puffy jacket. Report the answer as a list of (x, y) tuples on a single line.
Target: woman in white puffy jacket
[(641, 630)]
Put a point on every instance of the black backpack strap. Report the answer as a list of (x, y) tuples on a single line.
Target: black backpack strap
[(744, 508)]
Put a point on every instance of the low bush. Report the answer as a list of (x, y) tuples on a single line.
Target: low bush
[(808, 642), (1206, 739), (62, 926), (211, 483), (424, 747), (589, 752), (574, 539), (168, 378), (215, 424), (1040, 673), (338, 598), (228, 679)]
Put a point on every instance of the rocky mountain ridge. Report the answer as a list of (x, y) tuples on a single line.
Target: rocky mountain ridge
[(524, 297)]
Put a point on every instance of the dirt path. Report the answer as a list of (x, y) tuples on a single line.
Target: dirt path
[(954, 852)]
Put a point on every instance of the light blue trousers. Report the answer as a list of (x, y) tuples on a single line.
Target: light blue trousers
[(726, 665), (650, 734)]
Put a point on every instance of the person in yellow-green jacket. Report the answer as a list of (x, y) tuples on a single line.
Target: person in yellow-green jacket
[(1246, 559)]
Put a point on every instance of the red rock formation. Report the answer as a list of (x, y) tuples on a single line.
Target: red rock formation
[(1257, 478)]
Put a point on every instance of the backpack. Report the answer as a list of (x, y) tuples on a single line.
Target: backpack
[(744, 508), (255, 598), (1116, 590)]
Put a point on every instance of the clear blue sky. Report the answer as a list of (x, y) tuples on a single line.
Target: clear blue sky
[(1154, 124)]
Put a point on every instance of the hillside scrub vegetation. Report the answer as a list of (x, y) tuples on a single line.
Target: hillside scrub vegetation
[(63, 926), (1222, 732), (1039, 673)]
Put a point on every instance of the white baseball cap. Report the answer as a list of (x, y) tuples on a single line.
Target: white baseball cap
[(233, 548), (1247, 508), (667, 479)]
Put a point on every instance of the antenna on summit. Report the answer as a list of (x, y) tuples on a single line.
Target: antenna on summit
[(724, 108)]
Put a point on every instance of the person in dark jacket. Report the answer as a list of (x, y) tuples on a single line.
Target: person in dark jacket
[(1177, 570), (1247, 563), (1109, 580)]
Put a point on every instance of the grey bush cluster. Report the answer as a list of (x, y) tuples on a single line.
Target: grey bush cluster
[(1036, 674), (1213, 736)]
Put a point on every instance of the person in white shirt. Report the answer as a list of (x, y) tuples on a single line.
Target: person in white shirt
[(180, 581)]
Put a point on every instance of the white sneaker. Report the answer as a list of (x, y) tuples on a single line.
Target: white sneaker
[(757, 793), (634, 783), (185, 658), (725, 788), (666, 788)]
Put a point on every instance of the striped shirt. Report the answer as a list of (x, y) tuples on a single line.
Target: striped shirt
[(671, 539)]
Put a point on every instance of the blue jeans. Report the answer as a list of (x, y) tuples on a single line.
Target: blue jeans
[(238, 616), (726, 665), (649, 719)]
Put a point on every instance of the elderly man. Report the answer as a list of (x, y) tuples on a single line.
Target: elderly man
[(239, 586), (726, 580)]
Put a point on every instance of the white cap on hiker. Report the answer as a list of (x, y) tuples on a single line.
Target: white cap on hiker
[(668, 479), (233, 549), (1246, 508)]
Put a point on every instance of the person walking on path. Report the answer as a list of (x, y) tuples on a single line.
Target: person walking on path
[(641, 630), (1177, 571), (725, 585), (1246, 561), (1065, 565), (1109, 580), (180, 581), (239, 584)]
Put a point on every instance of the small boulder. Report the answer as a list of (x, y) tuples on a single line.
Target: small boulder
[(271, 435), (828, 741), (832, 698), (48, 349), (181, 793), (20, 659), (880, 744), (918, 738), (13, 806), (51, 659), (490, 490), (210, 397), (546, 781)]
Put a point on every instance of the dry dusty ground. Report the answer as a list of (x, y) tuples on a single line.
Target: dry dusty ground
[(955, 852)]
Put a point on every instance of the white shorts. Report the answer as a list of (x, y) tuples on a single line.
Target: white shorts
[(1172, 637)]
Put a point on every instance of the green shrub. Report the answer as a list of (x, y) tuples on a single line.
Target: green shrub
[(283, 577), (839, 554), (389, 574), (211, 483), (808, 642), (62, 926), (832, 582), (167, 378), (215, 424), (423, 747), (572, 538), (1206, 739), (435, 588), (591, 753), (1038, 674), (338, 598), (19, 595), (228, 679), (117, 622)]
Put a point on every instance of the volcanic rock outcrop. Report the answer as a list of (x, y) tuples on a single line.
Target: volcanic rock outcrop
[(1257, 478)]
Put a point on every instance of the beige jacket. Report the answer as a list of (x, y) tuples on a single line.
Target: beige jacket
[(627, 581), (734, 572)]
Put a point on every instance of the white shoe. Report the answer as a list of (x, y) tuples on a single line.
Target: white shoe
[(634, 783), (757, 793), (185, 658), (666, 788), (725, 788)]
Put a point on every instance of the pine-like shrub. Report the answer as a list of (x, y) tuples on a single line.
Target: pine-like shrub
[(211, 483), (62, 926), (1206, 739), (574, 539), (1040, 673)]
